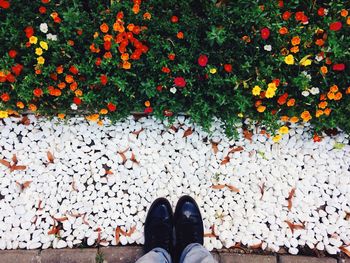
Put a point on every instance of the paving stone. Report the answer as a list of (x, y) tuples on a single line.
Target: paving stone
[(245, 258), (86, 255), (121, 254), (19, 256), (301, 259)]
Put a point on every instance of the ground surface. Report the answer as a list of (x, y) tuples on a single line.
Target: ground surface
[(80, 184)]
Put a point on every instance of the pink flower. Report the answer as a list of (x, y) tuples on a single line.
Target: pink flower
[(180, 82), (265, 33), (202, 60)]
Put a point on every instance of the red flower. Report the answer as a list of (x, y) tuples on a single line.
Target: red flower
[(29, 31), (10, 78), (265, 33), (148, 110), (286, 15), (77, 100), (335, 26), (166, 70), (4, 4), (74, 70), (98, 61), (321, 11), (282, 99), (37, 92), (103, 80), (228, 68), (17, 69), (168, 113), (5, 97), (317, 138), (111, 106), (107, 45), (339, 67), (12, 53), (171, 56), (174, 19), (299, 16), (180, 82), (42, 9), (202, 60), (280, 3)]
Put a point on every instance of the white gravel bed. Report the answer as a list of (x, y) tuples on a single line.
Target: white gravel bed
[(78, 183)]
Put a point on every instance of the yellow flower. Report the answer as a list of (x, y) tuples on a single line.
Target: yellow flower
[(272, 86), (40, 60), (39, 51), (305, 61), (277, 138), (103, 111), (33, 40), (212, 70), (289, 60), (283, 130), (3, 114), (256, 91), (20, 104), (270, 92), (240, 115), (44, 45)]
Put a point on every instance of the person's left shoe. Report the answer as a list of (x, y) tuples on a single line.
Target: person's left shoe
[(159, 226)]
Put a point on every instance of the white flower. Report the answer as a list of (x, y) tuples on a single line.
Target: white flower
[(326, 11), (307, 75), (44, 28), (305, 93), (319, 58), (268, 47), (52, 37), (74, 106), (173, 90), (314, 91)]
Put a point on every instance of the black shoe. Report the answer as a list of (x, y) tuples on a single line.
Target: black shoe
[(159, 226), (188, 224)]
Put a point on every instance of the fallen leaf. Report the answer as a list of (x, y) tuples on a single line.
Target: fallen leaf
[(117, 235), (39, 205), (137, 132), (74, 187), (122, 154), (129, 233), (60, 219), (17, 168), (84, 220), (25, 121), (293, 226), (133, 158), (232, 188), (247, 135), (237, 149), (345, 250), (98, 230), (108, 172), (212, 233), (347, 215), (24, 185), (262, 190), (218, 186), (225, 160), (6, 163), (238, 246), (214, 146), (290, 197), (50, 157), (188, 132), (14, 159), (172, 127)]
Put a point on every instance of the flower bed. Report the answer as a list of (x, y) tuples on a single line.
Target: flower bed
[(266, 61), (81, 184)]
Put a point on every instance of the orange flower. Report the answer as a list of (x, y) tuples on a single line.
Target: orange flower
[(294, 49), (284, 118), (5, 97), (126, 65), (104, 28), (330, 95), (61, 85), (93, 117), (125, 56), (295, 41), (73, 86), (103, 111), (59, 69), (70, 42), (32, 107), (118, 27), (348, 21), (246, 39), (338, 96), (61, 115), (324, 70), (334, 88), (294, 119), (344, 13), (37, 92), (319, 42), (284, 52), (348, 90), (147, 16), (306, 116), (78, 93), (56, 92), (69, 79), (323, 104), (130, 27), (319, 113), (147, 103), (291, 102), (180, 35), (327, 111), (107, 38), (258, 103), (323, 97), (283, 30), (136, 9), (261, 108), (20, 104), (107, 55)]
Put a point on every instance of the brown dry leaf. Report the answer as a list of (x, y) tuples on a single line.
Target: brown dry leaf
[(173, 128), (214, 146), (218, 186), (18, 168), (50, 157), (293, 226), (60, 219), (290, 197), (212, 233), (108, 172), (54, 230), (133, 158), (262, 190), (25, 121), (84, 220), (256, 246), (232, 188), (347, 216), (14, 159), (24, 185), (39, 205), (6, 163), (117, 235), (188, 132), (248, 135), (122, 154), (225, 160), (238, 246), (237, 149), (129, 233), (137, 132), (345, 250)]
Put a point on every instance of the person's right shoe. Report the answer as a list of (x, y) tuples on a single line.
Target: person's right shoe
[(188, 224)]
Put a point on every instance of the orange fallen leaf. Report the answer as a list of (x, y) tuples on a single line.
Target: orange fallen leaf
[(247, 135), (214, 146), (6, 163), (24, 185), (293, 226), (345, 250), (129, 233), (108, 172), (25, 121), (172, 127), (18, 168), (98, 230), (238, 246), (225, 160), (237, 149), (232, 188), (218, 186), (290, 197), (55, 230), (117, 235), (188, 132), (14, 159), (50, 157)]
